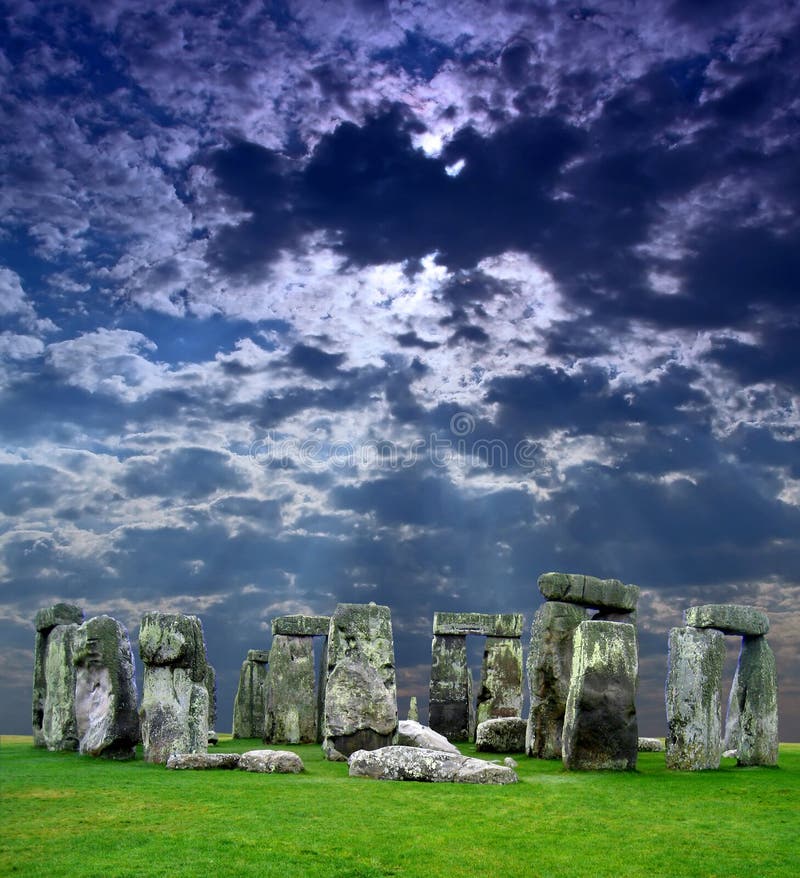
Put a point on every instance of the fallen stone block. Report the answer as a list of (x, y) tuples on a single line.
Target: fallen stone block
[(271, 762), (202, 761), (728, 618), (501, 735), (429, 766), (414, 734), (651, 745), (589, 591)]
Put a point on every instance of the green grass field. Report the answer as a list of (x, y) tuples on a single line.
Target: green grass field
[(67, 815)]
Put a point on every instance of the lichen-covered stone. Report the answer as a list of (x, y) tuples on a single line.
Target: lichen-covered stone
[(105, 690), (361, 688), (451, 711), (271, 762), (651, 745), (429, 766), (210, 683), (500, 692), (203, 761), (301, 626), (45, 620), (501, 735), (600, 728), (414, 734), (250, 705), (413, 710), (728, 618), (589, 591), (174, 708), (291, 714), (694, 677), (59, 725), (59, 614), (549, 670), (488, 624), (754, 695)]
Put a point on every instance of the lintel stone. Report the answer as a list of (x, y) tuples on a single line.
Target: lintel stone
[(301, 626), (490, 624), (589, 591), (258, 655), (59, 614), (728, 618)]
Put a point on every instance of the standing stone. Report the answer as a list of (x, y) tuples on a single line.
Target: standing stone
[(413, 710), (451, 711), (322, 683), (755, 696), (500, 694), (361, 692), (250, 706), (291, 715), (105, 690), (59, 725), (210, 683), (694, 678), (549, 671), (45, 621), (600, 728), (174, 709)]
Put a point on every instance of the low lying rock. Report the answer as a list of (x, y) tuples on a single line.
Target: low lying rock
[(504, 734), (431, 766), (414, 734), (202, 761), (271, 762), (651, 745)]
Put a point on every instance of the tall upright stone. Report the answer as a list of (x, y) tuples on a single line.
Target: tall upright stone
[(500, 693), (59, 723), (105, 690), (250, 705), (693, 698), (210, 683), (361, 692), (451, 711), (45, 621), (291, 715), (600, 728), (755, 696), (549, 670), (174, 709)]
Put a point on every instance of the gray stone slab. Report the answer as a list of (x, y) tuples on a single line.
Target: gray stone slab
[(258, 655), (600, 727), (754, 698), (301, 626), (589, 591), (58, 614), (488, 624), (693, 698), (291, 715), (500, 693), (451, 711), (250, 704), (429, 766), (59, 724), (728, 618), (501, 735)]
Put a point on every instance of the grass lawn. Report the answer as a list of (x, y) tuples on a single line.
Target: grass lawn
[(67, 815)]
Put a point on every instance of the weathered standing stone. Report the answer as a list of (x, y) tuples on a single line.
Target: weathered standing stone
[(414, 734), (210, 683), (489, 624), (728, 618), (413, 710), (755, 696), (291, 715), (549, 670), (301, 626), (59, 725), (589, 591), (451, 711), (105, 690), (361, 691), (501, 735), (600, 728), (174, 708), (500, 691), (250, 706), (45, 620), (694, 677), (430, 766)]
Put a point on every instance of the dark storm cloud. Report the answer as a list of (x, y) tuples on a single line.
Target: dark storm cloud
[(187, 472), (774, 359), (314, 361)]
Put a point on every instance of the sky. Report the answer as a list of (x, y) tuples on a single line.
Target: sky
[(405, 302)]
